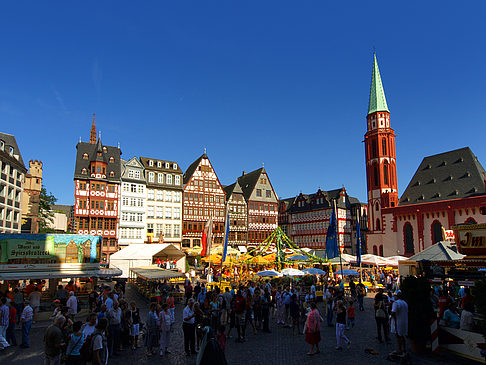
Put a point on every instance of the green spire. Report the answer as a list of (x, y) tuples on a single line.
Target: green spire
[(377, 94)]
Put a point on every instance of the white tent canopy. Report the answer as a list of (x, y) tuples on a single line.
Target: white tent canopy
[(141, 254)]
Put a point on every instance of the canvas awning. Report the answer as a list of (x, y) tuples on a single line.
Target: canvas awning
[(140, 251), (154, 273), (60, 274)]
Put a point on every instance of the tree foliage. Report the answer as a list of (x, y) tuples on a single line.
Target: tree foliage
[(46, 215)]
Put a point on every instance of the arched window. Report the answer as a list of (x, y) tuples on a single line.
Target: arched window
[(378, 225), (381, 250), (470, 221), (375, 250), (374, 152), (85, 156), (377, 207), (437, 234), (112, 173), (112, 159), (383, 146), (376, 175), (408, 239), (385, 173), (84, 171)]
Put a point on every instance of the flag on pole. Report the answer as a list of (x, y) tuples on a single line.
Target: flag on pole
[(358, 243), (331, 238), (207, 237), (226, 234)]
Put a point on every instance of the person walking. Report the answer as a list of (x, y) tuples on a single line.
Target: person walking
[(399, 314), (76, 341), (312, 329), (350, 315), (99, 343), (329, 306), (152, 334), (35, 299), (114, 316), (294, 314), (340, 325), (26, 320), (12, 316), (134, 322), (188, 328), (360, 294), (381, 315), (72, 304), (165, 326), (265, 303), (19, 302), (53, 342), (4, 320)]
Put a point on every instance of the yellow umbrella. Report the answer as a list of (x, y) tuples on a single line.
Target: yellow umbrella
[(214, 258), (196, 250), (229, 251)]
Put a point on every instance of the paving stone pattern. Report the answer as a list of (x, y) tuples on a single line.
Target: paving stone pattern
[(276, 348)]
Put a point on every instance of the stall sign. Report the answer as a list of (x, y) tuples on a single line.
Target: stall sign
[(471, 239), (449, 234), (48, 248)]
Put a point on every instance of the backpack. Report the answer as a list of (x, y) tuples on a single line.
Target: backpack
[(86, 350)]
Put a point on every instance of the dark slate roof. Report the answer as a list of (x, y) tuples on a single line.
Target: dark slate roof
[(192, 168), (10, 141), (91, 150), (311, 201), (248, 182), (450, 175), (233, 188)]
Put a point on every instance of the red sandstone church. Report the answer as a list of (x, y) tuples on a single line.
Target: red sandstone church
[(447, 188)]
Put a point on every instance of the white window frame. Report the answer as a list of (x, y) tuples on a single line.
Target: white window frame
[(177, 180), (160, 178), (168, 179), (151, 177)]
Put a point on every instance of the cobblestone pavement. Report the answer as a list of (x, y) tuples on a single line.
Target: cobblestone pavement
[(278, 347)]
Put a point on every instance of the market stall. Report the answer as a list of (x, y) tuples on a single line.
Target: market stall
[(146, 278), (140, 255)]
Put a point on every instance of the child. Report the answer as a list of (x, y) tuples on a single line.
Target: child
[(350, 312), (221, 337)]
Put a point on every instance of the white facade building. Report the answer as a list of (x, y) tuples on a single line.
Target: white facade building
[(164, 201), (132, 203), (12, 175)]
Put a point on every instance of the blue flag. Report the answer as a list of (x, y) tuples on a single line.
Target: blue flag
[(331, 238), (226, 234), (358, 243)]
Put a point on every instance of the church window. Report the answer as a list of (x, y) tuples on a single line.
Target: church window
[(381, 250), (385, 173), (85, 156), (375, 250), (408, 239), (376, 176), (378, 225), (112, 159), (374, 149), (437, 234)]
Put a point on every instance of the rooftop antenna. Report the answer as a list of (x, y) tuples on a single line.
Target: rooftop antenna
[(118, 145), (204, 150)]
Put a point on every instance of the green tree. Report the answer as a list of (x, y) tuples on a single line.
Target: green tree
[(46, 215)]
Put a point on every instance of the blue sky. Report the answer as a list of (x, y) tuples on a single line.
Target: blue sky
[(283, 83)]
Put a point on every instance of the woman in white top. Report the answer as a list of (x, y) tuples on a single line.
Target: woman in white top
[(165, 323)]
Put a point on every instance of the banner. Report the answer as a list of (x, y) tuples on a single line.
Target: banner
[(48, 248)]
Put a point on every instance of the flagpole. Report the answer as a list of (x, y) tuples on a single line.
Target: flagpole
[(337, 238), (210, 239), (360, 246)]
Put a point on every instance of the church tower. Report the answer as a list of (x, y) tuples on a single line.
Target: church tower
[(92, 134), (381, 168)]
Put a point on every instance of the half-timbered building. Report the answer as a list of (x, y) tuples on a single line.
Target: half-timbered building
[(262, 204), (96, 191), (309, 217), (237, 215), (204, 198)]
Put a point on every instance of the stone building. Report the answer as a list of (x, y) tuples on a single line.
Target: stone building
[(132, 203), (204, 198), (447, 188), (163, 200), (12, 175), (31, 197)]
